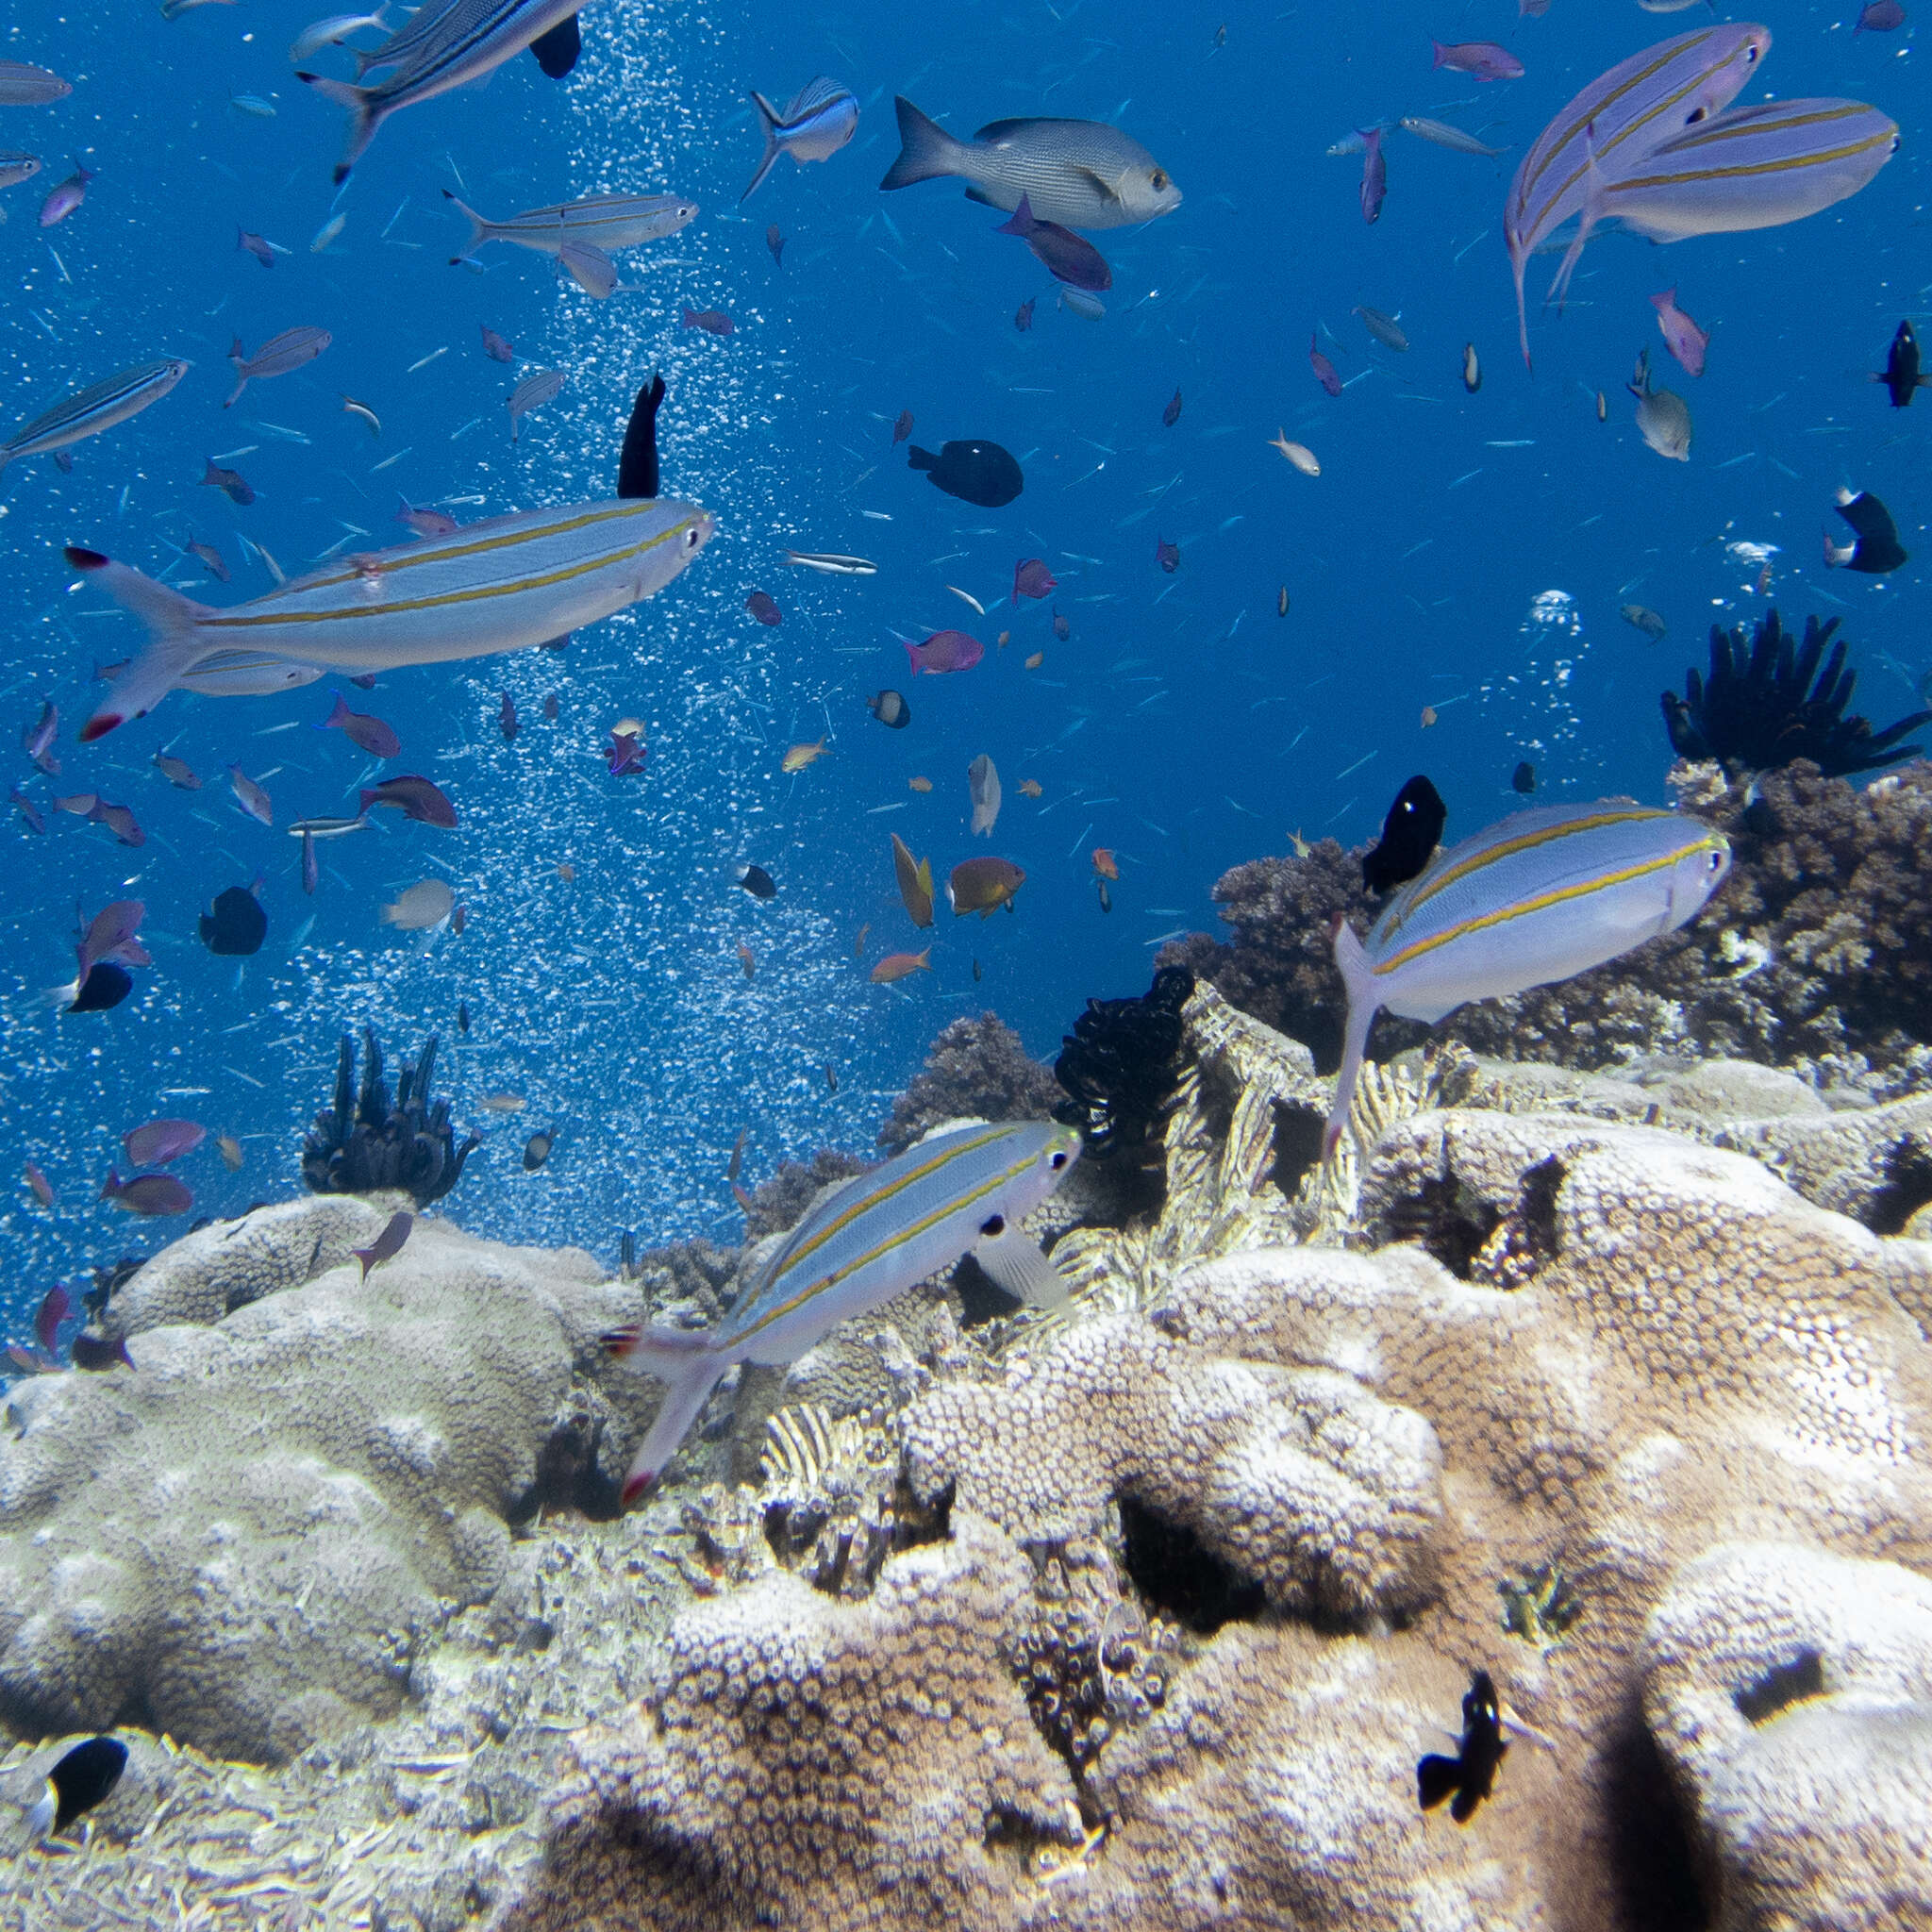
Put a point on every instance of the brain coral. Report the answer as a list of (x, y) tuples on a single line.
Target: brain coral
[(250, 1536)]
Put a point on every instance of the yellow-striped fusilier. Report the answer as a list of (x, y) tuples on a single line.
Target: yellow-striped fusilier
[(865, 1241), (1537, 897)]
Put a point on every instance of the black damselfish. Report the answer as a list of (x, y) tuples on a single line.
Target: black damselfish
[(757, 882), (235, 924), (105, 985), (1875, 548), (1471, 1774), (1410, 834), (1902, 375), (77, 1783), (637, 462), (974, 471)]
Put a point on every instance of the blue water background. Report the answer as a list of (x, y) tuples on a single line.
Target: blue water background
[(1184, 724)]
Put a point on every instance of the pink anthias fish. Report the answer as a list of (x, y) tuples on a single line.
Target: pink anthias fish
[(1031, 579), (276, 356), (1481, 60), (426, 521), (415, 797), (495, 347), (1685, 339), (1324, 369), (368, 733), (1375, 175), (111, 936), (65, 196), (158, 1143), (945, 650), (147, 1193), (251, 797)]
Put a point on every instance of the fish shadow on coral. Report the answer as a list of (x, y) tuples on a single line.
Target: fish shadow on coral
[(363, 1143)]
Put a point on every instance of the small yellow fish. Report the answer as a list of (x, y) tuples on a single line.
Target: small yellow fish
[(801, 756), (1038, 659), (1299, 454), (920, 784), (1428, 716), (900, 966), (230, 1150), (502, 1103), (1029, 788), (1302, 847)]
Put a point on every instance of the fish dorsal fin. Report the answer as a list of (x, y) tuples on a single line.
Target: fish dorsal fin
[(995, 132)]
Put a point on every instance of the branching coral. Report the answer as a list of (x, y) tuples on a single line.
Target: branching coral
[(974, 1070), (1762, 709), (364, 1144)]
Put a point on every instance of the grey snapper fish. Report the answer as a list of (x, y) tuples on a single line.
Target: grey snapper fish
[(1535, 898), (507, 584), (98, 406), (962, 1189), (16, 168), (1663, 417), (276, 356), (816, 123), (1081, 174), (443, 47), (607, 222)]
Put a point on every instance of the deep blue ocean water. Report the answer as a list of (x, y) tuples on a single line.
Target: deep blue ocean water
[(1463, 551)]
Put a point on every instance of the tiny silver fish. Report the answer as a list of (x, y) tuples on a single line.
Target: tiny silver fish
[(832, 565)]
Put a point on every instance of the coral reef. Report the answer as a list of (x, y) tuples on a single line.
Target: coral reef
[(364, 1144), (973, 1069), (1122, 1066), (1762, 709), (778, 1202)]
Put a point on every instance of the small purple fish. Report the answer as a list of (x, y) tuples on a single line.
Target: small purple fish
[(495, 347), (111, 936), (714, 322), (177, 772), (251, 797), (1483, 59), (1031, 579), (311, 869), (160, 1142), (764, 607), (902, 428), (43, 1190), (1168, 556), (81, 803), (1881, 17), (1685, 339), (256, 247), (147, 1193), (945, 650), (56, 1307), (230, 482), (1065, 255), (414, 797), (507, 718), (1375, 175), (28, 809), (64, 198), (39, 742), (625, 753), (276, 356), (210, 558), (118, 820), (1172, 414), (370, 734), (426, 522), (1023, 316), (94, 1352), (386, 1245), (1324, 369)]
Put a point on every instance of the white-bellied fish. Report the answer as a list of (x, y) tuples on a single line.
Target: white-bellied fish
[(95, 408), (1535, 898), (832, 565), (962, 1190), (532, 394), (814, 125), (16, 168), (608, 222), (276, 356), (333, 31), (1619, 118), (1663, 417)]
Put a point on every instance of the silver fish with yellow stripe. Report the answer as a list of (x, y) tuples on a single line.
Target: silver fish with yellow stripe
[(1532, 899), (506, 584), (960, 1189)]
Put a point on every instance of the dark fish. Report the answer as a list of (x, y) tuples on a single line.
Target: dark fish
[(1648, 622), (28, 809), (1105, 897), (714, 322), (1168, 556), (747, 961), (1375, 175), (458, 918), (256, 247), (1902, 375), (1482, 59), (891, 709), (831, 1076), (1066, 257), (56, 1305), (736, 1162), (981, 885), (370, 734), (311, 865), (1409, 835), (118, 820), (76, 1784), (495, 346), (507, 718), (945, 650), (537, 1150), (556, 51), (637, 462), (230, 482), (625, 754), (1881, 17), (415, 798), (764, 607), (1023, 316), (775, 243), (386, 1245), (1062, 628), (1471, 1774), (210, 558), (627, 1253), (1031, 579), (1324, 369), (902, 427), (978, 972), (111, 935), (158, 1142), (757, 882), (1172, 414), (43, 1191), (550, 707), (236, 922), (1875, 548), (463, 1016), (1523, 778), (105, 985), (92, 1352), (147, 1193), (973, 471)]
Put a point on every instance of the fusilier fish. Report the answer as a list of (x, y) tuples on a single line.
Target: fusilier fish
[(95, 408), (1535, 898), (333, 31), (1082, 174), (1385, 328), (962, 1190), (1446, 135), (532, 394), (607, 222), (14, 169), (832, 565), (813, 126)]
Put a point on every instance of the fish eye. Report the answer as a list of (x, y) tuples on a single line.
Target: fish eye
[(1750, 53), (1716, 861), (994, 1227), (1058, 1160), (1159, 179), (691, 538)]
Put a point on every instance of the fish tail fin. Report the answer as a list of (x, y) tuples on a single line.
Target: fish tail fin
[(1363, 1001), (1592, 212), (1022, 222), (684, 1361), (480, 228), (917, 459), (174, 644), (364, 117), (1436, 1777), (768, 122), (1667, 300), (926, 150), (336, 718), (911, 657), (112, 1186), (1435, 49)]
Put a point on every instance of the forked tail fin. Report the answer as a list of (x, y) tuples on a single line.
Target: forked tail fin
[(768, 121), (687, 1364), (1363, 1000), (364, 117), (175, 641), (480, 228), (926, 150)]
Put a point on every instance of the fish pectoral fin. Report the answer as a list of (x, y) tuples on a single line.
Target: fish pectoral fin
[(982, 197), (1014, 1263), (1111, 190)]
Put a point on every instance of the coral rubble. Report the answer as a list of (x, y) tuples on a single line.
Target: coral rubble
[(364, 1143)]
